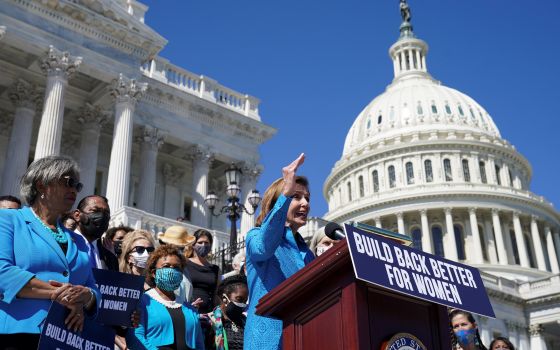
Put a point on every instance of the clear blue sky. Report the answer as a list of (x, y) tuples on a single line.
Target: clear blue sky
[(316, 64)]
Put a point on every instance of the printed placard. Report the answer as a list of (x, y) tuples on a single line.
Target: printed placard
[(406, 270), (120, 295), (55, 335)]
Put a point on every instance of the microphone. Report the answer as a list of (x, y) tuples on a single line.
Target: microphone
[(334, 231)]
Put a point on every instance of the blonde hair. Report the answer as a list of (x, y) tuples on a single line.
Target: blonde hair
[(271, 196), (128, 243)]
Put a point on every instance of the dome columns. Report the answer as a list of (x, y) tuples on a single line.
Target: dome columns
[(450, 245), (521, 247), (537, 243), (501, 248), (551, 250)]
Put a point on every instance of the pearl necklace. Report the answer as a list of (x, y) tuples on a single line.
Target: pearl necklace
[(172, 304), (59, 235)]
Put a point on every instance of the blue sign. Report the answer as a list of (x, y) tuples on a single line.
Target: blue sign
[(120, 295), (55, 335), (381, 261)]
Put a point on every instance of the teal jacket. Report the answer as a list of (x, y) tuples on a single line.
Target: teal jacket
[(274, 253), (28, 250), (156, 327)]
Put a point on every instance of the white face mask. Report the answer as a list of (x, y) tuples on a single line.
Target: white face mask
[(322, 249), (140, 260)]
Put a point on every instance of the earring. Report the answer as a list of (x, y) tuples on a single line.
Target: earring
[(42, 196)]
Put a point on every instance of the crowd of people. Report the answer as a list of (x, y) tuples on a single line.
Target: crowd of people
[(48, 251)]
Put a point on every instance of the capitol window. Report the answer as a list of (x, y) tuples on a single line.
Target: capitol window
[(466, 171), (379, 119), (417, 238), (375, 177), (434, 108), (419, 109), (461, 111), (510, 177), (361, 185), (483, 243), (447, 170), (497, 170), (409, 173), (459, 242), (514, 247), (368, 124), (392, 177), (428, 170), (349, 187), (437, 235), (482, 167), (447, 109)]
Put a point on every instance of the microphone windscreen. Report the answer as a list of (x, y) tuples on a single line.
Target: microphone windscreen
[(330, 230)]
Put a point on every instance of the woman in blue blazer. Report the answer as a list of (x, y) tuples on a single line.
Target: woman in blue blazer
[(40, 260), (275, 251), (165, 323)]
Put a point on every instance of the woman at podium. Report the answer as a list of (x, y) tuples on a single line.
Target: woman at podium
[(275, 251)]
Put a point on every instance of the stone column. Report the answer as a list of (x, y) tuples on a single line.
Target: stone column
[(91, 118), (251, 173), (126, 93), (537, 337), (500, 246), (150, 141), (522, 249), (378, 222), (535, 235), (450, 246), (202, 159), (491, 241), (478, 258), (512, 333), (484, 330), (172, 201), (556, 238), (427, 245), (25, 98), (551, 251), (400, 223), (58, 66)]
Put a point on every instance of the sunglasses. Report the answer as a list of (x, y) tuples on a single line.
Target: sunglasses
[(71, 182), (140, 250)]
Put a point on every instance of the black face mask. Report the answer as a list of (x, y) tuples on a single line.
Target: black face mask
[(235, 313), (94, 224), (117, 247)]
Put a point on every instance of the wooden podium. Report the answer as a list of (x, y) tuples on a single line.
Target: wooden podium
[(324, 306)]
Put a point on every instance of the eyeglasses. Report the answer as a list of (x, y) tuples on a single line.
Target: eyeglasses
[(71, 182), (140, 250)]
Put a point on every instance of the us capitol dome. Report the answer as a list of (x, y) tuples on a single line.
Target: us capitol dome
[(428, 161)]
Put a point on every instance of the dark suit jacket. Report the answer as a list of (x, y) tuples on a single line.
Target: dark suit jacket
[(109, 258)]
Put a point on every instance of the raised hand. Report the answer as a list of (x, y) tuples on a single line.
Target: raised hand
[(289, 176)]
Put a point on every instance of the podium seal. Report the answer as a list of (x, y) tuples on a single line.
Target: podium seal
[(403, 341)]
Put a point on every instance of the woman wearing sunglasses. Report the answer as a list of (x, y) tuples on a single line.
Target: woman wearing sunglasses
[(40, 260), (136, 249)]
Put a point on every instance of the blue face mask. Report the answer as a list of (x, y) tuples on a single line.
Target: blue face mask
[(466, 337), (168, 279)]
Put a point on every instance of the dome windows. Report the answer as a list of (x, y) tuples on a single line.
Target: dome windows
[(375, 178), (498, 171), (466, 170), (417, 238), (409, 173), (392, 176), (368, 124), (361, 185), (419, 109), (434, 108), (447, 170), (482, 167), (447, 108), (379, 119), (349, 188), (437, 234), (428, 170), (461, 110)]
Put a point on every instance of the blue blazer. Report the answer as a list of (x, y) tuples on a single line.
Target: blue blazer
[(156, 327), (28, 250), (274, 253)]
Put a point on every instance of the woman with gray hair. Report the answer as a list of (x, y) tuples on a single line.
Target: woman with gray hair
[(40, 260)]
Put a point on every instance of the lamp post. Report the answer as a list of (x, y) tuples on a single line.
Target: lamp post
[(233, 209)]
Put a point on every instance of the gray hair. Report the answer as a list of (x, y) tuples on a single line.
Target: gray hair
[(46, 170)]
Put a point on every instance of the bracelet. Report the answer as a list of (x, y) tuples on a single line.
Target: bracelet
[(88, 304)]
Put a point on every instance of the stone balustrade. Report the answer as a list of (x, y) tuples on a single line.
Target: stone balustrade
[(164, 71), (140, 219)]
